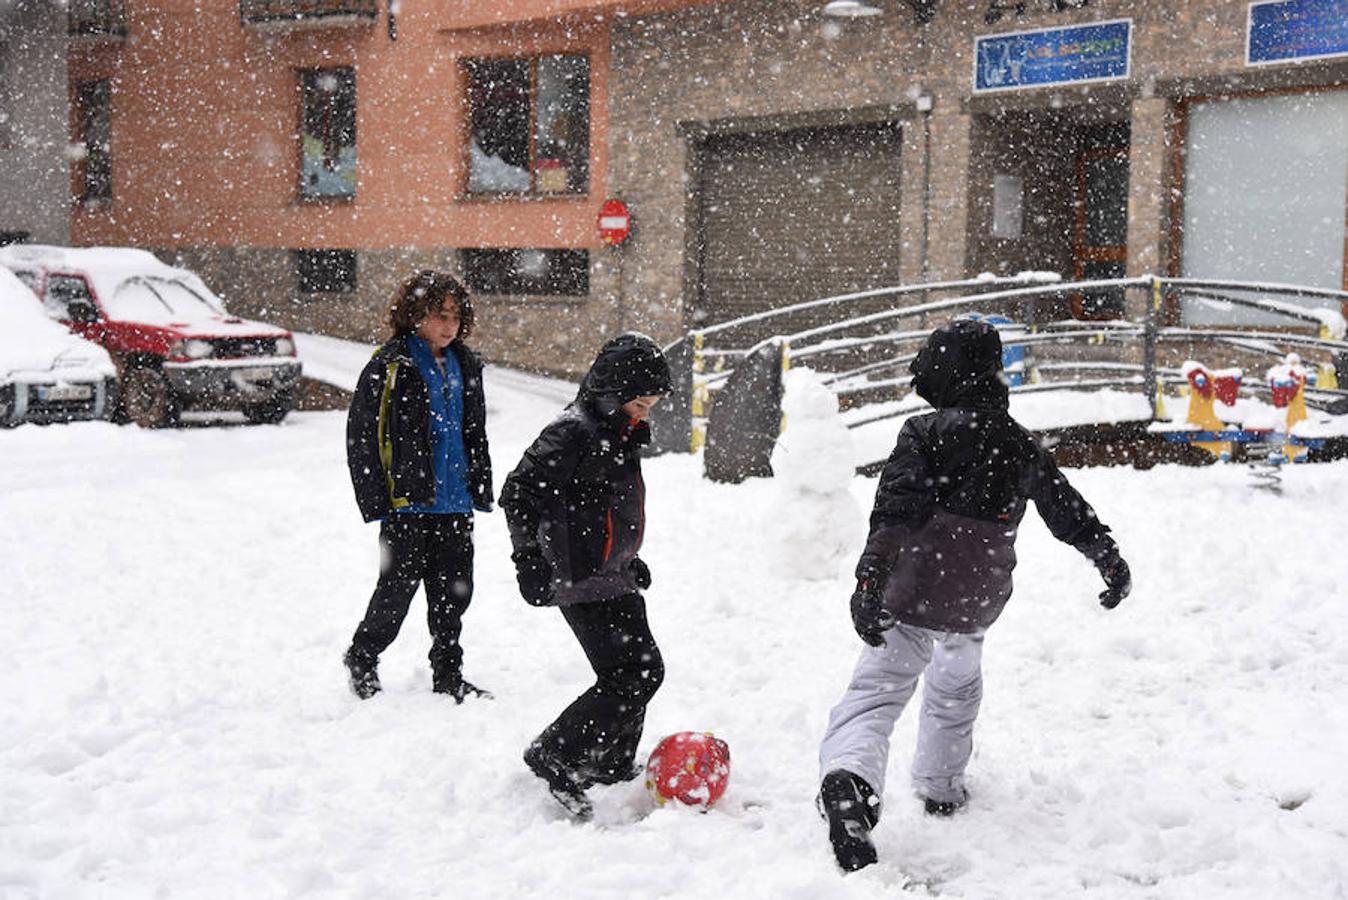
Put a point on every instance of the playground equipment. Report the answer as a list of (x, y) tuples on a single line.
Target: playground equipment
[(1260, 436), (728, 376)]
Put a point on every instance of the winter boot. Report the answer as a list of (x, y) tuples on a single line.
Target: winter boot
[(459, 689), (850, 805), (945, 808), (564, 786), (363, 673), (624, 771)]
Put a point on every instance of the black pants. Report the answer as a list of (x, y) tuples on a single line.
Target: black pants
[(597, 734), (422, 548)]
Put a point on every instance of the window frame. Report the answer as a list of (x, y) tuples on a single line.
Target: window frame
[(583, 157), (306, 193)]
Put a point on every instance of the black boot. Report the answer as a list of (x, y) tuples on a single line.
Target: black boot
[(459, 689), (447, 678), (565, 786), (944, 807), (850, 805), (626, 771), (363, 673)]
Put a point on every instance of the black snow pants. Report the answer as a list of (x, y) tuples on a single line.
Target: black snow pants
[(597, 735), (422, 548)]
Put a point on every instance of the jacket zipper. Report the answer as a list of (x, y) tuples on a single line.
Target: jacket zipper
[(608, 535)]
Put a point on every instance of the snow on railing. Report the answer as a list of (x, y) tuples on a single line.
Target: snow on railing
[(739, 434)]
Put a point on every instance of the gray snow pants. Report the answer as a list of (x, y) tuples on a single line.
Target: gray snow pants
[(860, 725)]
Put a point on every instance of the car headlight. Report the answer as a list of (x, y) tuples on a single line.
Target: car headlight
[(285, 347), (197, 349)]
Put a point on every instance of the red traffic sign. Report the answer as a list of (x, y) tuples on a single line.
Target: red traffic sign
[(615, 222)]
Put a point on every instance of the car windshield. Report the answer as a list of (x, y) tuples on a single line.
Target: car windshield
[(150, 297)]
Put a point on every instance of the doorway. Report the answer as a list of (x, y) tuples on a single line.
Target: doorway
[(1100, 232), (1048, 191)]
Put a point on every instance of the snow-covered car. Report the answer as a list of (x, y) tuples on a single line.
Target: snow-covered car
[(174, 345), (48, 374)]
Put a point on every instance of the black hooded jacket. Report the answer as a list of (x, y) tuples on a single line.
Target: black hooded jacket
[(388, 432), (954, 490), (576, 499)]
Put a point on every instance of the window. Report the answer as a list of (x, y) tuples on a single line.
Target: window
[(531, 125), (326, 271), (328, 134), (528, 271), (94, 110), (68, 298)]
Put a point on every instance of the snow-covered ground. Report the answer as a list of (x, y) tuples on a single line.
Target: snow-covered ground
[(175, 720)]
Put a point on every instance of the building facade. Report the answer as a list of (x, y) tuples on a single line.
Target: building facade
[(306, 155)]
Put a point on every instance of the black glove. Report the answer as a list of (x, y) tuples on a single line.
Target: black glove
[(869, 616), (641, 572), (1118, 580), (535, 579)]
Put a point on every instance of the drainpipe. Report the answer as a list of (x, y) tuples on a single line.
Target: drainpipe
[(924, 105)]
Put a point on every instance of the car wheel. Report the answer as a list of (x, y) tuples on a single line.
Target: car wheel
[(147, 399), (269, 412)]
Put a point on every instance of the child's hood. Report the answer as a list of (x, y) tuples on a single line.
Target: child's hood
[(628, 366), (961, 365)]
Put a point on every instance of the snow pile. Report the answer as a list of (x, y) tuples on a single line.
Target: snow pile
[(813, 523)]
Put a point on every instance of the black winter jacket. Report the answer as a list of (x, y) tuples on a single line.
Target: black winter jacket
[(954, 490), (388, 432), (577, 499)]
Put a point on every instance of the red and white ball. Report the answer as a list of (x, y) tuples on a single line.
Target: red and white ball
[(690, 767)]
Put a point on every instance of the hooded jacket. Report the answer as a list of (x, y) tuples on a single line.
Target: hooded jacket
[(953, 492), (388, 432), (577, 499)]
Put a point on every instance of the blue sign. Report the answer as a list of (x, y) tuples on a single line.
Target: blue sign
[(1296, 29), (1027, 59)]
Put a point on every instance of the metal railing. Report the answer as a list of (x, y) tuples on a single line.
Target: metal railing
[(728, 395)]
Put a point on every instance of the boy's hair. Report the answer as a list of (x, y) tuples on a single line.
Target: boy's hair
[(424, 294)]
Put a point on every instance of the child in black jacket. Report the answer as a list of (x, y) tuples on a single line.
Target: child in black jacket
[(935, 574), (416, 444), (576, 509)]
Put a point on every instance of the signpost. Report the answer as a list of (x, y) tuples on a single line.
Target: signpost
[(1101, 51)]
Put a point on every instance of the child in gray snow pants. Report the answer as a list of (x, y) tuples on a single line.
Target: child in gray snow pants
[(935, 574)]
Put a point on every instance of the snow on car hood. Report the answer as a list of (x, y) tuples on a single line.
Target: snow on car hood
[(32, 344), (215, 326)]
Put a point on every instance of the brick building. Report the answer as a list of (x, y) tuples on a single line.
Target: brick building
[(304, 155)]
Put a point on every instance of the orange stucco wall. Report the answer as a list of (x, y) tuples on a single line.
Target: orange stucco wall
[(205, 140)]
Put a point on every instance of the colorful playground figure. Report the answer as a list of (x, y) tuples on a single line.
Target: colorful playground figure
[(1287, 382), (1272, 440), (1205, 389)]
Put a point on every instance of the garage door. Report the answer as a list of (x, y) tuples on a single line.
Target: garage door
[(795, 215)]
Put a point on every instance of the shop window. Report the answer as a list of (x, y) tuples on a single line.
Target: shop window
[(528, 271), (93, 101), (1264, 189), (326, 271), (530, 125), (328, 134)]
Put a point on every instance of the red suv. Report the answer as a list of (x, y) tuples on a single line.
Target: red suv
[(174, 345)]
